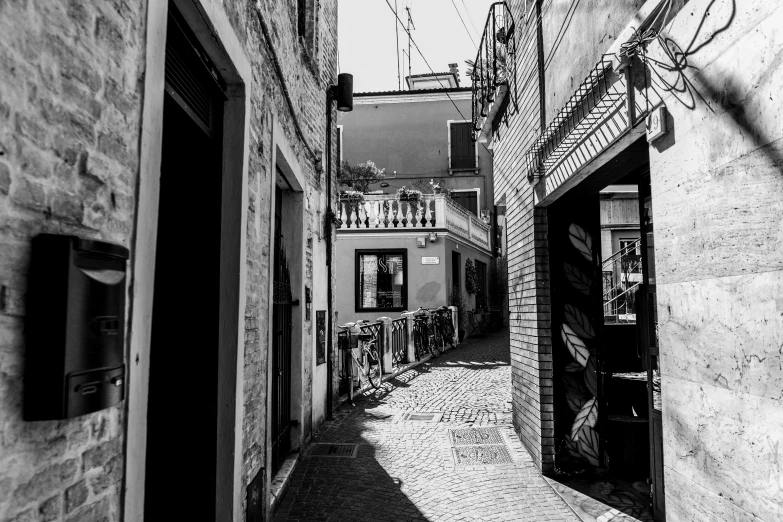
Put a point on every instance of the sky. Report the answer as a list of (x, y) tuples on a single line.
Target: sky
[(367, 41)]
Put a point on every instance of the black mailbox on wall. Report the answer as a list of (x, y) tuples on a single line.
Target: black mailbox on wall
[(74, 327)]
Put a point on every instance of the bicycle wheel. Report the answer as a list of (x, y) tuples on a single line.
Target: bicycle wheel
[(362, 373), (432, 343), (375, 370), (441, 346), (418, 343)]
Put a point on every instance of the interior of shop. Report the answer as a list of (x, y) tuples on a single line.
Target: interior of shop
[(607, 407)]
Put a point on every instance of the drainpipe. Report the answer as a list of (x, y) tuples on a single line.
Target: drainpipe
[(343, 94)]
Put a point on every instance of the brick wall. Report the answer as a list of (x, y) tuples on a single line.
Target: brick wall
[(525, 242), (70, 99), (70, 83), (306, 77)]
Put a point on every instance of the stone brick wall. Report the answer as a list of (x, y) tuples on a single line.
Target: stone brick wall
[(716, 190), (717, 194), (70, 76), (305, 77), (70, 99), (525, 244)]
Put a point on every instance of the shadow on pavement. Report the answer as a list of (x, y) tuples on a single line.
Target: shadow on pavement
[(345, 488)]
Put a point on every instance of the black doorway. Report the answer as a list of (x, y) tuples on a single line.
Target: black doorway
[(181, 459)]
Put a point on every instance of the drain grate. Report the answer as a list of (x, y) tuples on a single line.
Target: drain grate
[(421, 416), (334, 450), (481, 455), (475, 436)]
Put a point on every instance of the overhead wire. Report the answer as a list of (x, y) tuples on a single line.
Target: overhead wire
[(470, 18), (463, 24), (425, 60)]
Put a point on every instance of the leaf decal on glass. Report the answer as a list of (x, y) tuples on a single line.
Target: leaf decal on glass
[(587, 416), (591, 376), (575, 391), (575, 402), (581, 240), (579, 322), (574, 344), (574, 367), (572, 446), (588, 444), (577, 278)]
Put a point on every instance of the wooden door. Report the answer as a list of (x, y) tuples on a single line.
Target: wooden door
[(647, 321)]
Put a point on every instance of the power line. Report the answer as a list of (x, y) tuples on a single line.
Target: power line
[(470, 18), (463, 24), (425, 59)]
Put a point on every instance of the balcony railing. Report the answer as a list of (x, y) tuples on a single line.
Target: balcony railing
[(436, 211), (494, 74)]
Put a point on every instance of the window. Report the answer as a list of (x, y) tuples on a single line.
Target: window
[(462, 150), (307, 26), (381, 280), (467, 200), (481, 281)]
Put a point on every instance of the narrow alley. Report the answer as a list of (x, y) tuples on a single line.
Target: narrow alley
[(404, 467)]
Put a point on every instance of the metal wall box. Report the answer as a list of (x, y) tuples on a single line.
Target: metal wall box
[(74, 327)]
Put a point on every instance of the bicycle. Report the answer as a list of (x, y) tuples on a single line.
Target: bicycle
[(480, 325), (366, 360), (426, 334), (445, 324)]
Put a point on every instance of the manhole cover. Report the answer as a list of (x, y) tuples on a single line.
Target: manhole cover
[(334, 450), (481, 455), (422, 416), (474, 436)]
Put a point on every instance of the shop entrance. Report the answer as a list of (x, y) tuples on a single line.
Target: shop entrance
[(182, 418), (606, 376)]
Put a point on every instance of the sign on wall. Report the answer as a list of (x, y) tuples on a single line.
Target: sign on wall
[(430, 260), (320, 336), (656, 123)]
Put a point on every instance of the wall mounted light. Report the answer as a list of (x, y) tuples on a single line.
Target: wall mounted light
[(342, 93), (433, 237)]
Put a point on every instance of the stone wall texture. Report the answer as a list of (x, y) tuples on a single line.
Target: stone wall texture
[(70, 84), (71, 81), (718, 206)]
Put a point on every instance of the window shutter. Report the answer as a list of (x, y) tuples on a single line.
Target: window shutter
[(463, 153)]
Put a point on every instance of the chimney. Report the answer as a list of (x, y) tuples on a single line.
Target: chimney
[(454, 69)]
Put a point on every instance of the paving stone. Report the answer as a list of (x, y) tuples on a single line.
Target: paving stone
[(404, 470)]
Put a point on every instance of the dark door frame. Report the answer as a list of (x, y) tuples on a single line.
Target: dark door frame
[(216, 35)]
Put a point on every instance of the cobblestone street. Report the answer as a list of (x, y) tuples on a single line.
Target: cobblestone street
[(405, 469)]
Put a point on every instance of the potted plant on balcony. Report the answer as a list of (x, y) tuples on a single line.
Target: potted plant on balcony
[(352, 196), (359, 177), (408, 194)]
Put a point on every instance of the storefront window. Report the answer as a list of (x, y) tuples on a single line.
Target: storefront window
[(381, 280)]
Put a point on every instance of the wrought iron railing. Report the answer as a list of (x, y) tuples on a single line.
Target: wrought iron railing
[(592, 101), (494, 71), (399, 341), (343, 345), (622, 274), (374, 330)]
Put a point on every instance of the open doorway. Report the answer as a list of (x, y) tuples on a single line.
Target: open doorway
[(606, 380), (182, 420)]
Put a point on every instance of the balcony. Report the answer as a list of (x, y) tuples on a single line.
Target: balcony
[(432, 213), (494, 73)]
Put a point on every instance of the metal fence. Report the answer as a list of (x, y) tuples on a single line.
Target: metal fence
[(343, 345), (399, 341)]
